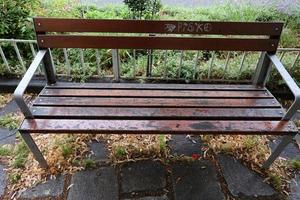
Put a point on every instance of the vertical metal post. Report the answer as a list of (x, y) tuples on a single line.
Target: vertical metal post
[(149, 63), (280, 147), (34, 149), (211, 65), (82, 60), (116, 64), (281, 56), (34, 54), (4, 59), (165, 64), (226, 64), (49, 68), (180, 64), (195, 66), (98, 61), (67, 61), (32, 49), (241, 65), (19, 55), (134, 63), (262, 71), (295, 61)]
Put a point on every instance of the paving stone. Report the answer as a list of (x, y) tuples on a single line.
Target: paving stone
[(196, 180), (10, 107), (150, 198), (295, 188), (290, 152), (99, 150), (2, 180), (242, 182), (4, 133), (142, 176), (181, 145), (50, 188), (97, 184)]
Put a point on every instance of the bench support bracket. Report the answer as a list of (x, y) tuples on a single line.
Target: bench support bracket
[(263, 69), (280, 147), (34, 149)]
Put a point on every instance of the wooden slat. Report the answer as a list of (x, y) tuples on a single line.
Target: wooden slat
[(175, 43), (149, 26), (156, 113), (160, 86), (157, 126), (156, 102), (153, 93)]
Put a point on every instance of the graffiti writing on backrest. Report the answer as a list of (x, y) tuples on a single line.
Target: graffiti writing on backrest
[(189, 27)]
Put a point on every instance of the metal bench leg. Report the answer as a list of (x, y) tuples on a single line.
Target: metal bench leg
[(280, 147), (34, 149)]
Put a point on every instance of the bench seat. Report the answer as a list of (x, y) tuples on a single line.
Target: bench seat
[(156, 108)]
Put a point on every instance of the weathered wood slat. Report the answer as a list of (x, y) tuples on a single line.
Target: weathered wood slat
[(156, 102), (161, 26), (154, 93), (157, 126), (157, 113), (160, 86), (174, 43)]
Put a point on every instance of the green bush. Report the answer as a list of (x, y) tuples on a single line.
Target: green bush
[(15, 18), (143, 9)]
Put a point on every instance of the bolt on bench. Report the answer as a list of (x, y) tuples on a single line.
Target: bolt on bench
[(128, 108)]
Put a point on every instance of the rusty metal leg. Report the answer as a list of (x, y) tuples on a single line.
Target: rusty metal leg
[(280, 147), (34, 149)]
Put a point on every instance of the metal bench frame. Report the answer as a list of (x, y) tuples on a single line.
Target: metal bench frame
[(266, 61)]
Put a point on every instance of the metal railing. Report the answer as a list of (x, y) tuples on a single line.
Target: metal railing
[(148, 68)]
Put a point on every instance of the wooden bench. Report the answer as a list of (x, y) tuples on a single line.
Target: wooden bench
[(117, 108)]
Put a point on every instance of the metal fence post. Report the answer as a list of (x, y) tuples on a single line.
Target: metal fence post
[(4, 59), (116, 64), (19, 55)]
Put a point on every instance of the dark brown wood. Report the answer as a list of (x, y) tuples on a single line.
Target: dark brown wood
[(157, 126), (153, 93), (156, 102), (150, 26), (157, 113), (175, 43), (157, 86)]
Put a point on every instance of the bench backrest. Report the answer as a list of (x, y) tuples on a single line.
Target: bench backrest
[(177, 35)]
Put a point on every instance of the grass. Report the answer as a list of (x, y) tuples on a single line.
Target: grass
[(120, 152), (162, 143), (10, 121), (251, 141), (6, 150), (66, 150), (276, 181), (295, 164), (20, 153), (89, 163), (14, 177)]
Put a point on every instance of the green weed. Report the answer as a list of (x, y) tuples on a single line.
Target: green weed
[(295, 164), (120, 152), (89, 163), (6, 150), (9, 121)]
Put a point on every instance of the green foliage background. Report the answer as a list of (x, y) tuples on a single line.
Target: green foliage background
[(16, 17)]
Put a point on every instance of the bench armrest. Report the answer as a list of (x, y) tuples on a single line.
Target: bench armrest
[(19, 92), (290, 83)]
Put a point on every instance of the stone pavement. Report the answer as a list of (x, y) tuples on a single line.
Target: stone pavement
[(223, 178)]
